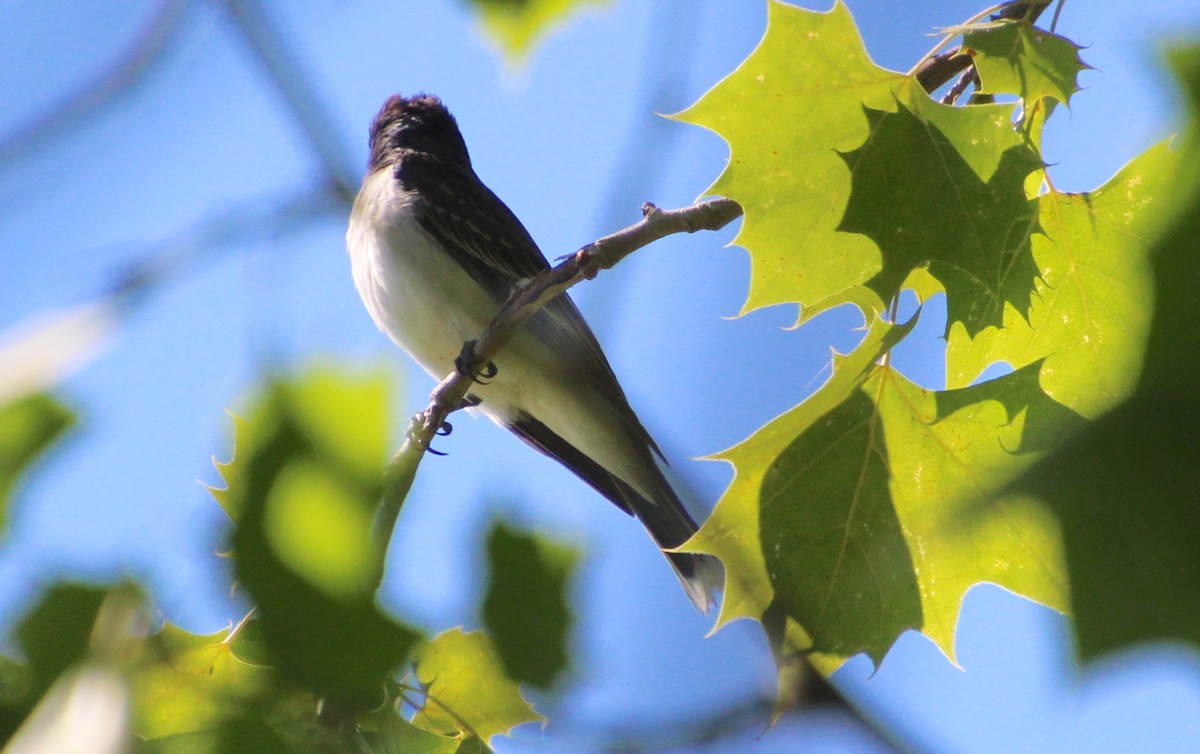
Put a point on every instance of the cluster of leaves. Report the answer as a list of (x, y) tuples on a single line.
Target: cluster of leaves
[(867, 510), (872, 507), (317, 665)]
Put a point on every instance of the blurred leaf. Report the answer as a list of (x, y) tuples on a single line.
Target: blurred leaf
[(302, 490), (343, 420), (191, 683), (1016, 57), (472, 745), (395, 735), (466, 688), (1125, 489), (247, 644), (87, 709), (517, 25), (525, 611), (251, 728), (28, 426), (1089, 314), (15, 695), (73, 694), (850, 175), (55, 635), (321, 529), (854, 513)]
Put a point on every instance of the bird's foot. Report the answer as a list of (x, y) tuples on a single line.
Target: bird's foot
[(463, 364)]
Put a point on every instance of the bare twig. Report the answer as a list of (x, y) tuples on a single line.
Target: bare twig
[(940, 68), (937, 68), (269, 221), (584, 264), (288, 75), (968, 77)]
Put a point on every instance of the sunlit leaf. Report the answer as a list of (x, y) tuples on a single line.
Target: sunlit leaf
[(252, 727), (1125, 489), (466, 688), (1091, 305), (191, 683), (850, 175), (856, 512), (395, 735), (1018, 58)]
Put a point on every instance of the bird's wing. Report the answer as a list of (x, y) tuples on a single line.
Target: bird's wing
[(487, 240)]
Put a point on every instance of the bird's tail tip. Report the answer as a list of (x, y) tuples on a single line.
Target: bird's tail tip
[(702, 576)]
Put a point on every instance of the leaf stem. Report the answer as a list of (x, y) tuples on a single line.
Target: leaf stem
[(461, 723)]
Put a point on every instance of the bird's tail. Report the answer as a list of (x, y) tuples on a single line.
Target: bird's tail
[(661, 512), (671, 525)]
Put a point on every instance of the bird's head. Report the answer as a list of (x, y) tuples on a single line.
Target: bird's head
[(420, 123)]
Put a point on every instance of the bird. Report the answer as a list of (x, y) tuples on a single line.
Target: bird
[(434, 254)]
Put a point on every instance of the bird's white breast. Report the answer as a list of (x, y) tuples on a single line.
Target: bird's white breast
[(425, 302), (416, 293)]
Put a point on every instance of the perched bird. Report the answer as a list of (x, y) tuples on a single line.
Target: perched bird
[(434, 254)]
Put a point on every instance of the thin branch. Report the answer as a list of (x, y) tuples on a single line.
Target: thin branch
[(968, 77), (523, 303), (269, 221), (288, 74), (585, 264), (118, 78), (949, 34), (935, 71), (937, 68)]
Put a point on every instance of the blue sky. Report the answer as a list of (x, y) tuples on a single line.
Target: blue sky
[(571, 144)]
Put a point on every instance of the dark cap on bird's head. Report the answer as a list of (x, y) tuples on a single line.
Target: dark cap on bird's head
[(420, 123)]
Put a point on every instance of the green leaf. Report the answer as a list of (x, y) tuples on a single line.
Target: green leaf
[(1125, 490), (525, 610), (252, 728), (850, 175), (395, 735), (191, 683), (517, 25), (466, 688), (55, 635), (28, 426), (303, 489), (1089, 316), (78, 642), (945, 188), (343, 420), (856, 512), (1016, 57), (786, 112), (732, 531)]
